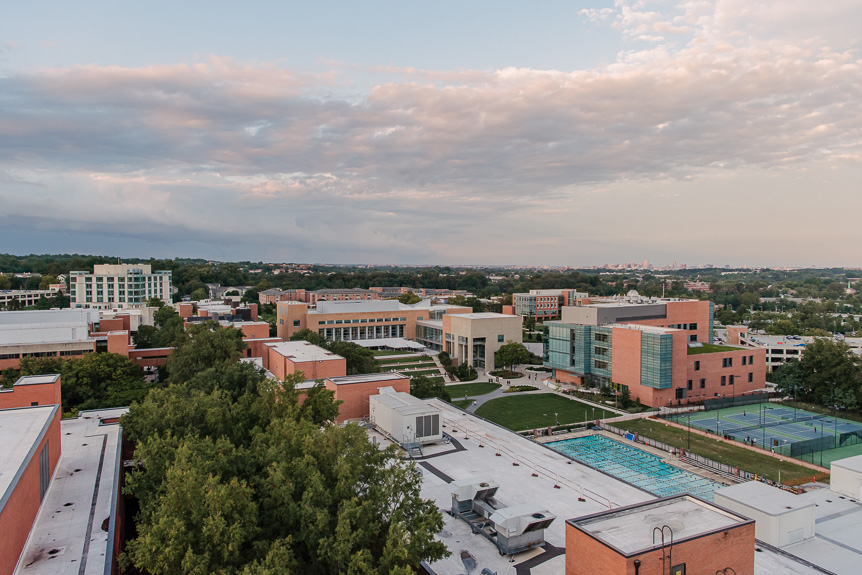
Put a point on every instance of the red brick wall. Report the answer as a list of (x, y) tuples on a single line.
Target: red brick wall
[(626, 364), (255, 331), (186, 310), (355, 396), (21, 509), (150, 357), (733, 332), (705, 555), (25, 395), (711, 369), (118, 342)]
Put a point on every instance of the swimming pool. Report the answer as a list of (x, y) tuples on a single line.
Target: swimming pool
[(634, 466)]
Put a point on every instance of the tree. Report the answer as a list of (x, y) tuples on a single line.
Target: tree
[(511, 354), (251, 295), (46, 281), (625, 397), (155, 302), (8, 377), (423, 387), (199, 294), (99, 380), (409, 298), (827, 366), (5, 282), (241, 479), (311, 337), (203, 345), (231, 292)]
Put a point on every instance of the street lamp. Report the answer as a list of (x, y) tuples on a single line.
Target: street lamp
[(821, 443), (689, 431), (763, 423), (594, 414)]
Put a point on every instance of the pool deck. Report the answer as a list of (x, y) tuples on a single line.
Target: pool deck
[(465, 458)]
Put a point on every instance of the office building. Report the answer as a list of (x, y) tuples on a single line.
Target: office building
[(118, 287), (661, 350), (545, 304)]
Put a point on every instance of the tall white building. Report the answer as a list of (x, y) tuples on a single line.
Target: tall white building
[(118, 287)]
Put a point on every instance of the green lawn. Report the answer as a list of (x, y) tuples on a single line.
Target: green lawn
[(472, 389), (522, 412), (462, 403), (435, 379), (722, 452), (408, 365), (417, 359), (421, 372), (711, 348), (382, 352)]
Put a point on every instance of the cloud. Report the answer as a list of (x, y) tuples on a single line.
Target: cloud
[(723, 85)]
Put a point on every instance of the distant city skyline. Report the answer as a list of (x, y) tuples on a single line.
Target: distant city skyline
[(560, 134)]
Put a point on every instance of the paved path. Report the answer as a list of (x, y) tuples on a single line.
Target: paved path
[(478, 400)]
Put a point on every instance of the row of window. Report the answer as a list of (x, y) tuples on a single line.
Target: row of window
[(368, 320), (725, 380)]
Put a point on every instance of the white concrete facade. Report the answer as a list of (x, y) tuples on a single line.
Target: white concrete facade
[(118, 287)]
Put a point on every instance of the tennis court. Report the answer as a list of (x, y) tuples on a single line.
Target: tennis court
[(794, 432), (635, 467)]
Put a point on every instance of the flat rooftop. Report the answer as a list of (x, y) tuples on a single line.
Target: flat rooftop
[(366, 377), (641, 327), (851, 463), (472, 453), (21, 430), (764, 498), (37, 379), (837, 541), (483, 315), (302, 351), (80, 500), (361, 306), (630, 530)]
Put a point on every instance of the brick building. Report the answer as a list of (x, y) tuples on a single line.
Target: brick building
[(660, 350), (680, 535)]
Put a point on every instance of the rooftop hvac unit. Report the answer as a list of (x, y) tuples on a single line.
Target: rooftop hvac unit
[(511, 529)]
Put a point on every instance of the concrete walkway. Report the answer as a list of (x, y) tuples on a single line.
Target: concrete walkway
[(478, 400)]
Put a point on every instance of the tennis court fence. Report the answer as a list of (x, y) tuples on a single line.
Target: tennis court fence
[(724, 402), (824, 443)]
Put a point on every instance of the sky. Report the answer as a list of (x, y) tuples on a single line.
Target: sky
[(391, 132)]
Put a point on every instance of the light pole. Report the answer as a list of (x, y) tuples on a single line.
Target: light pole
[(821, 443), (594, 414), (689, 431), (834, 414), (763, 424)]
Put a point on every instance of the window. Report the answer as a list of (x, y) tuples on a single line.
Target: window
[(727, 362), (601, 337), (702, 382), (732, 377), (601, 364), (688, 385), (750, 378), (601, 351), (500, 338), (750, 360), (744, 360), (296, 323), (692, 337), (723, 380), (697, 366)]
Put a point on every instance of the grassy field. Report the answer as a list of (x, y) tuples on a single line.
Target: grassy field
[(421, 372), (522, 412), (435, 379), (462, 403), (417, 359), (408, 365), (384, 352), (722, 452), (472, 389)]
